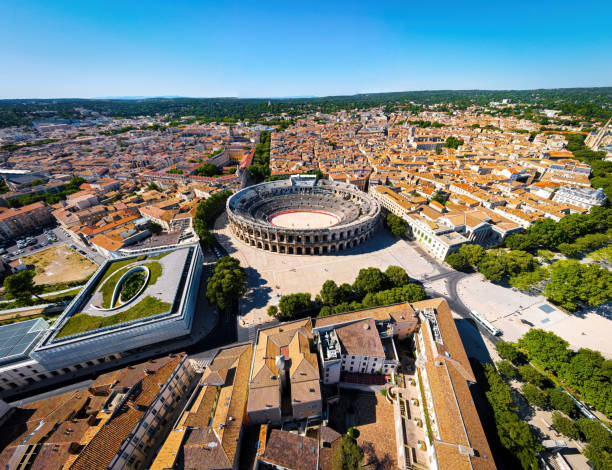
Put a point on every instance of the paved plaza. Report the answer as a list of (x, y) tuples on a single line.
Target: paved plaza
[(272, 275), (505, 308)]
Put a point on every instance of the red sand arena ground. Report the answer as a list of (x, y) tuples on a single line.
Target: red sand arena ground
[(304, 219)]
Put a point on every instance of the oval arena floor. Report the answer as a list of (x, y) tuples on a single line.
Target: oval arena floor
[(304, 219)]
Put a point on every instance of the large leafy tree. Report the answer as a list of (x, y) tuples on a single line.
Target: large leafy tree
[(535, 396), (21, 286), (457, 261), (473, 253), (572, 283), (514, 435), (559, 400), (590, 373), (206, 213), (396, 224), (345, 292), (506, 369), (492, 267), (330, 294), (397, 275), (546, 348), (599, 448), (407, 293), (227, 284), (292, 305), (508, 351), (565, 426), (527, 280), (208, 169), (370, 280), (530, 375)]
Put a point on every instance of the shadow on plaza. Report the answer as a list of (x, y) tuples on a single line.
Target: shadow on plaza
[(258, 296), (226, 242), (603, 310), (381, 240), (472, 340)]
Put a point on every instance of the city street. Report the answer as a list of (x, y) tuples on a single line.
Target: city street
[(13, 251)]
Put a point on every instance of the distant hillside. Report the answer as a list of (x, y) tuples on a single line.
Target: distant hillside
[(590, 103)]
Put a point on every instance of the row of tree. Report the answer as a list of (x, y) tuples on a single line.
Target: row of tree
[(260, 168), (206, 213), (516, 444), (396, 224), (548, 234), (586, 243), (371, 288), (50, 198), (496, 265), (591, 103), (599, 441), (540, 392), (572, 284), (586, 371)]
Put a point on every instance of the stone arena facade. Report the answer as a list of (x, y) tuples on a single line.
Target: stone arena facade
[(353, 215)]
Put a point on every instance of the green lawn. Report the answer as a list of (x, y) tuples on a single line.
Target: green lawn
[(156, 271), (82, 322), (115, 266), (109, 286)]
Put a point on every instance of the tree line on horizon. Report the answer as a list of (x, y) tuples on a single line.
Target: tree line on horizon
[(593, 103)]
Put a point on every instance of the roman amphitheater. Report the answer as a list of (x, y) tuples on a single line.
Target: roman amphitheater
[(303, 216)]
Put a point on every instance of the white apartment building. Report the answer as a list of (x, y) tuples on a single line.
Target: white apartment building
[(356, 347), (390, 200), (581, 197), (438, 239)]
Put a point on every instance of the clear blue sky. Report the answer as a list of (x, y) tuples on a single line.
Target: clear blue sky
[(89, 48)]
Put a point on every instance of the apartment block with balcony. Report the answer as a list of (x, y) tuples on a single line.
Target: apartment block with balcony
[(581, 197)]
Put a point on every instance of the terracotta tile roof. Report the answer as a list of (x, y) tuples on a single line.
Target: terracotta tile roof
[(448, 374), (209, 431), (361, 339), (264, 388), (399, 313), (291, 450), (101, 450)]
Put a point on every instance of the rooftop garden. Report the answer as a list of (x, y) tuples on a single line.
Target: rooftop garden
[(130, 287), (108, 287), (81, 322)]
